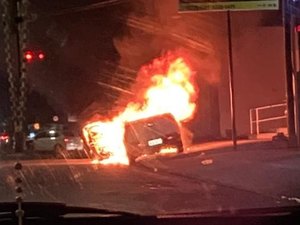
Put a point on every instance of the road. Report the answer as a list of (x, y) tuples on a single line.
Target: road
[(202, 181)]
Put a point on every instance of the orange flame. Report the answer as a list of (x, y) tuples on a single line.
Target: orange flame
[(170, 90)]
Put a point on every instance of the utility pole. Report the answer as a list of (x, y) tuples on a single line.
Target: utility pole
[(289, 74), (294, 23), (231, 83), (15, 29), (291, 82)]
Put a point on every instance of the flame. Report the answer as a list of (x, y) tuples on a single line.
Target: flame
[(169, 89)]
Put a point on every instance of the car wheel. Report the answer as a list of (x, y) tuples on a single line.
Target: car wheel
[(59, 151), (180, 149), (84, 154), (30, 146), (131, 159)]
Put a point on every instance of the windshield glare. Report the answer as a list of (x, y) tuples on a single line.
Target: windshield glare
[(149, 106)]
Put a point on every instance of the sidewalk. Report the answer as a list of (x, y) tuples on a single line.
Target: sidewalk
[(10, 155), (215, 147), (241, 144)]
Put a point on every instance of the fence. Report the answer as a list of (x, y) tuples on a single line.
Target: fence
[(256, 120)]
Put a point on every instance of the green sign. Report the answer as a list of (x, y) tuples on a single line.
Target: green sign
[(225, 5)]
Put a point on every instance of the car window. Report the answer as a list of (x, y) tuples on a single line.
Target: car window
[(154, 128), (41, 135), (54, 134), (69, 134)]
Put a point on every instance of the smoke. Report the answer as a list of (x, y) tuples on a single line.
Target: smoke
[(157, 27)]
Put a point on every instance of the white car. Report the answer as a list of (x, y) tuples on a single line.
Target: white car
[(60, 142)]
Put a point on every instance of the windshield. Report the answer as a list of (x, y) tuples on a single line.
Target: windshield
[(74, 74), (156, 127)]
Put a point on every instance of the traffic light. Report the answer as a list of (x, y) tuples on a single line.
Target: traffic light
[(28, 56), (41, 56), (31, 56)]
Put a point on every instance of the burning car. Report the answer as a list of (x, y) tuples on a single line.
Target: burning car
[(152, 135), (149, 123)]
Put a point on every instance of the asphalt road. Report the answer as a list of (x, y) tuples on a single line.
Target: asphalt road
[(204, 181)]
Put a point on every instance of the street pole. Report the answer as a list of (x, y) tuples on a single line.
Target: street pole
[(296, 67), (15, 12), (231, 83), (295, 75), (289, 75), (19, 134)]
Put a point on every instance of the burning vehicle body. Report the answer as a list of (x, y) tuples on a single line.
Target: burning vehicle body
[(153, 135), (159, 134), (152, 125)]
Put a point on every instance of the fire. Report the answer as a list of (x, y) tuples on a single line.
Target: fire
[(169, 89)]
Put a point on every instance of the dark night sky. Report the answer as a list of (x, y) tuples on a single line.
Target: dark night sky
[(78, 46)]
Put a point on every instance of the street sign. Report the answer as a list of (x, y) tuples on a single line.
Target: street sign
[(225, 5)]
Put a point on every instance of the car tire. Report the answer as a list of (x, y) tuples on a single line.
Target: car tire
[(131, 160), (30, 147), (84, 154), (59, 151), (180, 149)]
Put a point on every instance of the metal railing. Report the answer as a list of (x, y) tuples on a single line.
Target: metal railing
[(255, 120)]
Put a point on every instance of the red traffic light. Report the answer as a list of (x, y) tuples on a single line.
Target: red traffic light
[(41, 55), (298, 28), (28, 55), (31, 56)]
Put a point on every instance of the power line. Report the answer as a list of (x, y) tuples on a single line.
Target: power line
[(89, 7)]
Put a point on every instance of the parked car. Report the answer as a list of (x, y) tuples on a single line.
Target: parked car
[(62, 143), (152, 135), (5, 140)]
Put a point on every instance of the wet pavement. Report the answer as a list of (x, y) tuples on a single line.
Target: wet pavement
[(250, 177)]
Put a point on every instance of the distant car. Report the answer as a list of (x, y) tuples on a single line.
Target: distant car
[(4, 138), (62, 143), (152, 135)]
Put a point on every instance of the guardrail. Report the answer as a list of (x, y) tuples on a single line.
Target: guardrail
[(255, 120)]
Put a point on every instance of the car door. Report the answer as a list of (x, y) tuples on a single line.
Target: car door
[(55, 138), (40, 141), (131, 142)]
